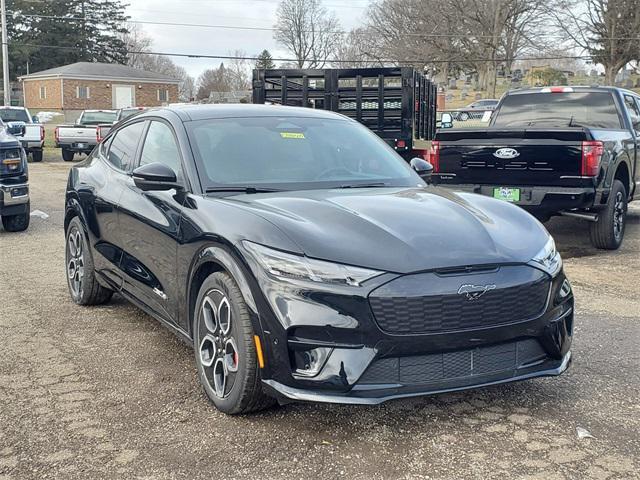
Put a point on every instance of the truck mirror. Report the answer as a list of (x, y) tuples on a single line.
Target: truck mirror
[(35, 119), (446, 121), (16, 129), (422, 168)]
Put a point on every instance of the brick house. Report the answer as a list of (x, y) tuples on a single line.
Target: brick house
[(79, 86)]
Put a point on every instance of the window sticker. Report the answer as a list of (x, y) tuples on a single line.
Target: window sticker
[(292, 135)]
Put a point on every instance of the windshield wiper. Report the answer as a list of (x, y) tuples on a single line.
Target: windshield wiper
[(363, 185), (247, 189)]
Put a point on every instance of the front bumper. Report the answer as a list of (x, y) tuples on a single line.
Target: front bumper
[(384, 393), (14, 198), (369, 359)]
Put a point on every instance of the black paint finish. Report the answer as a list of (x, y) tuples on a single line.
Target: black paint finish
[(153, 245)]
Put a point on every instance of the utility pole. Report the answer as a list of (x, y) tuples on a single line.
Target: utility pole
[(5, 55)]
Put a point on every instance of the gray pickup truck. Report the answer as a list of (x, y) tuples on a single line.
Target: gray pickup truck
[(83, 136)]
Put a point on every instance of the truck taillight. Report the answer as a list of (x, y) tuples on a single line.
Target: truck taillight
[(591, 155), (41, 133), (99, 134), (433, 155), (56, 133)]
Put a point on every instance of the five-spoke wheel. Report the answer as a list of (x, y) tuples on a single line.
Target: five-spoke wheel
[(75, 260), (218, 349)]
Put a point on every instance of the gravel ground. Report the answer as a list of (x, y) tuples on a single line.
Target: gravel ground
[(109, 393)]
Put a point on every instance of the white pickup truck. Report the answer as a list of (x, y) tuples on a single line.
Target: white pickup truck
[(33, 138), (84, 135)]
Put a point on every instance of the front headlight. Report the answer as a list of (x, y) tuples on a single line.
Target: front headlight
[(287, 266), (548, 258)]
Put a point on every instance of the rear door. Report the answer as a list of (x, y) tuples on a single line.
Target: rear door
[(149, 224)]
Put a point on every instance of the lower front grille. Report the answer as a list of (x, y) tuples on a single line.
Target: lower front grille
[(438, 367), (429, 303)]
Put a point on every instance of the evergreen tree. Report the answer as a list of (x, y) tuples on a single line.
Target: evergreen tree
[(48, 34), (265, 60)]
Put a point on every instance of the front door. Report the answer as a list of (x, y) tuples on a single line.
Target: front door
[(149, 224), (123, 96)]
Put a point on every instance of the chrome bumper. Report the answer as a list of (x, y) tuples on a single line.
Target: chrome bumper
[(7, 197)]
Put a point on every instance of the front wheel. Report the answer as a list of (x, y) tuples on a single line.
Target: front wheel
[(37, 155), (226, 356), (67, 155), (81, 278), (16, 223), (608, 232)]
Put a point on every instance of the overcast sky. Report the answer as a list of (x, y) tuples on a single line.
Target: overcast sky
[(216, 41)]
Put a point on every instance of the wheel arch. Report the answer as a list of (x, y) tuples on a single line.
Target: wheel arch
[(623, 174), (212, 259)]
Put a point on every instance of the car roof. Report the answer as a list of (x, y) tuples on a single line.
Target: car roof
[(205, 112), (575, 88)]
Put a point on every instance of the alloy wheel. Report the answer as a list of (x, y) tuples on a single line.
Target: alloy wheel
[(618, 215), (217, 350), (75, 261)]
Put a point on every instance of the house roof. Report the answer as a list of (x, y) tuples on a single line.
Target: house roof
[(100, 71)]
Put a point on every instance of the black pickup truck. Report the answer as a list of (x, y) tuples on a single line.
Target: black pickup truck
[(554, 151), (14, 188)]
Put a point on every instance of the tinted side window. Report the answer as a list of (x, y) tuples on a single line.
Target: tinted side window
[(123, 146), (160, 146)]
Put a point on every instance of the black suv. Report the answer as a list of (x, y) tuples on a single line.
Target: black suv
[(14, 188)]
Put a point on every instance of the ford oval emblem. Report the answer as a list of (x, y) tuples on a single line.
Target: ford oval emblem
[(506, 153)]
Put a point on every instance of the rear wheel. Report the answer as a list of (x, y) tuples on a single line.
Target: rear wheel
[(81, 279), (225, 351), (608, 232), (67, 155), (37, 155), (16, 223)]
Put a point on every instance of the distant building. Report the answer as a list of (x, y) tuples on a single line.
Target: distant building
[(84, 85)]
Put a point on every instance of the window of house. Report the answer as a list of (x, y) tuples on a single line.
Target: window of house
[(43, 93), (163, 95), (82, 92)]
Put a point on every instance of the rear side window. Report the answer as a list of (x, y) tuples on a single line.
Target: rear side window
[(632, 108), (570, 109), (123, 146)]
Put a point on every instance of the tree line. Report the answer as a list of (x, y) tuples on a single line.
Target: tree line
[(476, 36)]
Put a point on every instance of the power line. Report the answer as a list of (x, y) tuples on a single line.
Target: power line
[(325, 60)]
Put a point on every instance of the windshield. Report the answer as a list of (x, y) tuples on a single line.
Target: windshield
[(294, 153), (571, 109), (14, 115), (96, 118)]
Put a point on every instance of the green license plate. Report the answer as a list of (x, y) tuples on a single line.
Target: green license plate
[(507, 194)]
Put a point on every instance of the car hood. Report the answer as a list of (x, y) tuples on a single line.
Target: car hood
[(400, 229)]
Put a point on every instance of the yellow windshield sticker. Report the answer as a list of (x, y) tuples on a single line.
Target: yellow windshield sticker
[(291, 135)]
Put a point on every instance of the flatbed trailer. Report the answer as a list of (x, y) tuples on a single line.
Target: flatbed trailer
[(398, 104)]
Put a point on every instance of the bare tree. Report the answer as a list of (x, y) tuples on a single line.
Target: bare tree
[(307, 30), (239, 71), (137, 44), (606, 29)]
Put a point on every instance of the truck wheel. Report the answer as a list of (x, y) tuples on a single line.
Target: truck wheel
[(67, 155), (16, 223), (607, 233), (37, 155)]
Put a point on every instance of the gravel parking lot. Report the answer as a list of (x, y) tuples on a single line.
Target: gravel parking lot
[(109, 393)]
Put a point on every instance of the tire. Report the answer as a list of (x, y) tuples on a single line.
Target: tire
[(81, 279), (67, 155), (37, 155), (608, 232), (227, 363), (16, 223)]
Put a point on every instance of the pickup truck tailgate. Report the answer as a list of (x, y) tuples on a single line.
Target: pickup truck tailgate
[(511, 156), (77, 134)]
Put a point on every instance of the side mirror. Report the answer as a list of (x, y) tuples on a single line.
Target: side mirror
[(16, 129), (155, 176), (35, 119), (446, 121), (422, 168)]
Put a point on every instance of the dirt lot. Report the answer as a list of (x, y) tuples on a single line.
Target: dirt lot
[(109, 393)]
